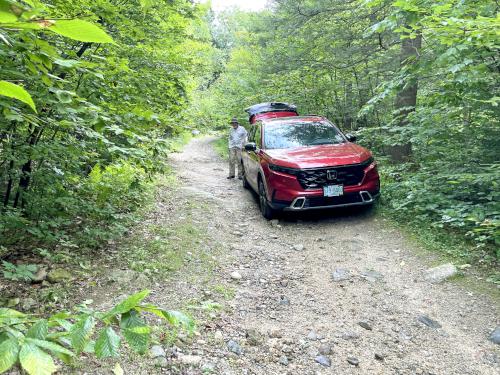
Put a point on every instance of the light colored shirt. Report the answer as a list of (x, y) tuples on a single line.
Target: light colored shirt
[(237, 137)]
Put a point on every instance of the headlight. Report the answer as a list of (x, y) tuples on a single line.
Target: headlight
[(285, 170)]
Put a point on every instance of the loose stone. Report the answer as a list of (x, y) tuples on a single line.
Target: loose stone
[(340, 274), (313, 336), (325, 349), (353, 361), (283, 360), (365, 325), (284, 301), (323, 360), (191, 360), (234, 347), (254, 338), (157, 351), (441, 273), (235, 275), (298, 247), (371, 275), (429, 322), (495, 336)]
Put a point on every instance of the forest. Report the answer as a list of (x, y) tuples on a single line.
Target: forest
[(96, 95)]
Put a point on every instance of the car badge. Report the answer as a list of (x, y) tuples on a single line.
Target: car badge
[(331, 175)]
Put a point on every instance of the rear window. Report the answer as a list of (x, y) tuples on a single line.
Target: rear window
[(301, 133)]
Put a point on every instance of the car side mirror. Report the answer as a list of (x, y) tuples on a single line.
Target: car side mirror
[(351, 137), (251, 146)]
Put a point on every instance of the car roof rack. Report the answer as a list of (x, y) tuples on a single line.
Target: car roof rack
[(270, 107)]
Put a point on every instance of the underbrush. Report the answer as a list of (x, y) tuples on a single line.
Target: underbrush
[(80, 212), (447, 193), (221, 148)]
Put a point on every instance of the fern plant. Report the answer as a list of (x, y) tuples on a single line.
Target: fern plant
[(33, 343), (24, 272)]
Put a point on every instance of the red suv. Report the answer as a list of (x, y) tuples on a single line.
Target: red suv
[(300, 163)]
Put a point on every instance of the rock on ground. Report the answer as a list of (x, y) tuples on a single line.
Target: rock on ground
[(59, 275), (440, 273), (495, 335)]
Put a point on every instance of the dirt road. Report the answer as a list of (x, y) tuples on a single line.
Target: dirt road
[(328, 293)]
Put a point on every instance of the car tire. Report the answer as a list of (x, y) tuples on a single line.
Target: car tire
[(265, 209)]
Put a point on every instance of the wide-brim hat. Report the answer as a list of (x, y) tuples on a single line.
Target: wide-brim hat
[(234, 120)]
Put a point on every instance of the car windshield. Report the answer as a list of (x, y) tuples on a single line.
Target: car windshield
[(298, 134)]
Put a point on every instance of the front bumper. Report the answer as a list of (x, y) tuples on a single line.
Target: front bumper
[(317, 203), (287, 194)]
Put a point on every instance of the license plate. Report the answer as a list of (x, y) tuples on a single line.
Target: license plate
[(333, 190)]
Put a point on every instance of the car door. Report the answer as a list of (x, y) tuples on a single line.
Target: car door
[(245, 155), (252, 157)]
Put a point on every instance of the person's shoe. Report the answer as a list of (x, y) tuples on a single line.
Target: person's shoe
[(229, 177), (240, 178)]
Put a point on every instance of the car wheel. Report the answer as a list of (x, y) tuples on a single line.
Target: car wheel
[(265, 209)]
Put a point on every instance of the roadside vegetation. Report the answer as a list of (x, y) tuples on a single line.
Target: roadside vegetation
[(416, 80), (92, 100), (94, 96)]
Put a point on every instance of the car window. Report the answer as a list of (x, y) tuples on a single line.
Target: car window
[(251, 133), (258, 138), (281, 134)]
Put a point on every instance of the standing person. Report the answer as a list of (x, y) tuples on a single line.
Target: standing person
[(237, 138)]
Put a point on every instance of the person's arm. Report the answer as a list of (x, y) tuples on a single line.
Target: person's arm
[(244, 135)]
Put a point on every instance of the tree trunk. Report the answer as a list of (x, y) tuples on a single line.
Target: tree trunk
[(406, 98)]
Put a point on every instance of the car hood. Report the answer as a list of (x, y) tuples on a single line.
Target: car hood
[(319, 156)]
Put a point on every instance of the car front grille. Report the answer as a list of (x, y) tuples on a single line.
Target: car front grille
[(345, 175), (332, 201)]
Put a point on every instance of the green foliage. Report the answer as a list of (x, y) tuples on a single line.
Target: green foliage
[(23, 272), (12, 90), (222, 148), (33, 343), (111, 90)]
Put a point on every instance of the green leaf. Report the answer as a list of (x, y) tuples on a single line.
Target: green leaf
[(8, 354), (38, 330), (83, 31), (12, 90), (66, 63), (127, 304), (146, 4), (35, 361), (131, 319), (138, 338), (52, 346), (64, 96), (81, 331), (6, 14), (175, 318), (107, 344)]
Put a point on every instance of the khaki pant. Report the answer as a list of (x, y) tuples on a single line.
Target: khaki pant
[(235, 158)]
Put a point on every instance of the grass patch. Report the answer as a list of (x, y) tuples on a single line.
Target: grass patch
[(220, 146), (227, 292), (447, 246), (176, 144), (168, 249)]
